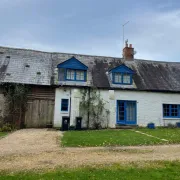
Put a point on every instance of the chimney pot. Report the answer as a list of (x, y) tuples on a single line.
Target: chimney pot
[(128, 52)]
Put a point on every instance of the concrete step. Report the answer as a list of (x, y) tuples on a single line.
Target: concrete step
[(119, 126)]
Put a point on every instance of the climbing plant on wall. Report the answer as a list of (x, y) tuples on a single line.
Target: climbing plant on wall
[(93, 106), (16, 96)]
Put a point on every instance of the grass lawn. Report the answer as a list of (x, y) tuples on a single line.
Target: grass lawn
[(172, 135), (106, 138), (145, 171), (3, 134)]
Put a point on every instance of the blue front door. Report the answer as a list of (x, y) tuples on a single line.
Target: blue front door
[(126, 112)]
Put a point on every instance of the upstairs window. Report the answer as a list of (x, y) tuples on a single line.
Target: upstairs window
[(122, 78), (171, 110), (122, 75), (72, 70), (80, 75), (126, 78), (70, 74), (117, 77), (75, 75)]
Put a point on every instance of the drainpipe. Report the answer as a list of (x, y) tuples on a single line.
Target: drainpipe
[(88, 107), (70, 106)]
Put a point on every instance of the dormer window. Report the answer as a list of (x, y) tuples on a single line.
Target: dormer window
[(70, 74), (122, 78), (127, 78), (80, 75), (72, 70), (121, 75), (117, 77), (75, 75)]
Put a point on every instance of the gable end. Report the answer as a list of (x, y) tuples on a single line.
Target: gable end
[(72, 63), (123, 69)]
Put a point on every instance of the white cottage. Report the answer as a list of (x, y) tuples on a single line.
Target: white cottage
[(136, 92)]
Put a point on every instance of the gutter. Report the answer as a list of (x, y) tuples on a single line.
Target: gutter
[(115, 88)]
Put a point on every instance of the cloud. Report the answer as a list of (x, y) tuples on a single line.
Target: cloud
[(75, 29), (156, 35)]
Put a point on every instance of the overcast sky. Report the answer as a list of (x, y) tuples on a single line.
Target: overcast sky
[(93, 26)]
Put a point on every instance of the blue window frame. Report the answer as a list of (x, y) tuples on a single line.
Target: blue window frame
[(171, 110), (122, 78), (74, 70), (64, 104), (126, 112), (122, 75), (75, 75)]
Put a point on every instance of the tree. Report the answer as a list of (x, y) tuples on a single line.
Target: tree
[(16, 96), (94, 106)]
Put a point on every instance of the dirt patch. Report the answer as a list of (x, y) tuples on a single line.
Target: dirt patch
[(40, 149)]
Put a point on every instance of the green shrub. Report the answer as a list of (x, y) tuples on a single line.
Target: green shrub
[(97, 125), (169, 125), (72, 127), (7, 127)]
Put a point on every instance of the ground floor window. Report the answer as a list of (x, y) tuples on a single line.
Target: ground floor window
[(126, 112), (64, 104), (171, 110)]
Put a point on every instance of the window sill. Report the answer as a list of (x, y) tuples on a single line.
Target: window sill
[(122, 83), (75, 80), (64, 112), (171, 118)]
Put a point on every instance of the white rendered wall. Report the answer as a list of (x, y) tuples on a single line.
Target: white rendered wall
[(149, 106), (60, 93), (74, 97)]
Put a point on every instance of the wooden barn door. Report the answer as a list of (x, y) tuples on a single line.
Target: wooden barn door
[(40, 109)]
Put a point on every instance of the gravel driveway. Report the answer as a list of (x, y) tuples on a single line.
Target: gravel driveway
[(30, 149), (30, 141)]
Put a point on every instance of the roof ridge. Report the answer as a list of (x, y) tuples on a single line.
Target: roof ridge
[(25, 49), (155, 61), (87, 55), (53, 52)]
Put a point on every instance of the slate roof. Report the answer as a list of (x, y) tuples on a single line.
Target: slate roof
[(149, 75), (24, 66)]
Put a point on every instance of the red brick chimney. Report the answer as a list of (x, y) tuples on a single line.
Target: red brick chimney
[(128, 52)]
